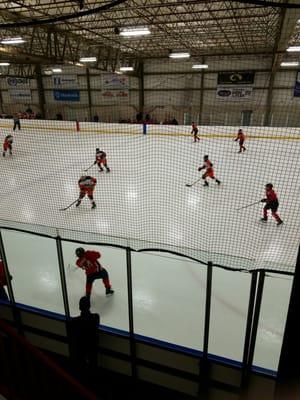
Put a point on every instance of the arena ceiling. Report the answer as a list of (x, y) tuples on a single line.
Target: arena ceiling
[(61, 31)]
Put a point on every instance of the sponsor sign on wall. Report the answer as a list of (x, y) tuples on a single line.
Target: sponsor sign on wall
[(234, 93), (64, 80), (17, 81), (20, 95), (66, 95), (115, 81), (114, 96), (235, 78), (297, 85)]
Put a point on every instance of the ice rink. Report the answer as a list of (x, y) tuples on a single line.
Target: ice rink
[(144, 202)]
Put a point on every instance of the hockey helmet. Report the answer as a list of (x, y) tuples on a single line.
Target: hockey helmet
[(79, 252)]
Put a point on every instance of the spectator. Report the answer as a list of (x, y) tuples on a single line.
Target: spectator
[(174, 121), (59, 117), (139, 117), (96, 118), (17, 122), (84, 336)]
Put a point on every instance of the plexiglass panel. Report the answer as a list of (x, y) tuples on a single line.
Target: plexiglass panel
[(273, 313), (169, 298), (113, 309), (33, 264), (229, 307)]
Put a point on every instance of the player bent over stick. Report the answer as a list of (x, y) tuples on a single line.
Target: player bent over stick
[(86, 185), (101, 160), (7, 145), (272, 204), (88, 260), (209, 171)]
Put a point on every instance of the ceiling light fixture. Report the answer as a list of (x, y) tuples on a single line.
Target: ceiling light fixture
[(57, 70), (4, 64), (289, 64), (88, 59), (126, 68), (293, 49), (16, 40), (200, 66), (179, 54), (129, 32)]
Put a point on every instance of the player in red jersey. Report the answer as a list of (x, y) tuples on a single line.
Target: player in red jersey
[(241, 138), (101, 160), (272, 204), (86, 185), (88, 260), (195, 132), (3, 282), (208, 166), (7, 145)]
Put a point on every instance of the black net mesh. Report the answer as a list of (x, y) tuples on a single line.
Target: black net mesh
[(144, 202)]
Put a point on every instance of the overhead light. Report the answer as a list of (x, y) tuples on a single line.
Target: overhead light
[(200, 66), (15, 40), (4, 64), (293, 48), (179, 54), (57, 70), (79, 64), (128, 32), (48, 72), (126, 68), (119, 72), (289, 64), (88, 59)]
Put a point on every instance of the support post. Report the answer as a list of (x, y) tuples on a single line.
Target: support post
[(88, 83), (40, 90)]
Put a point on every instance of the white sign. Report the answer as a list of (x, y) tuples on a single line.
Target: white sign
[(17, 81), (115, 81), (20, 95), (234, 93), (114, 96), (64, 80)]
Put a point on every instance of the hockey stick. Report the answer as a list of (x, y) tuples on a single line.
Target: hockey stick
[(70, 205), (192, 184), (248, 205), (89, 167)]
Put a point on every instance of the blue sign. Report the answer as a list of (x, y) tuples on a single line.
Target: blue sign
[(66, 95)]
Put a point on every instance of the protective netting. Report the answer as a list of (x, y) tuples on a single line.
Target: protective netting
[(143, 202)]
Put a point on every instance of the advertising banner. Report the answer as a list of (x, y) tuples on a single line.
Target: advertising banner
[(17, 81), (20, 95), (236, 78), (66, 95), (115, 81), (64, 80), (234, 93), (114, 96)]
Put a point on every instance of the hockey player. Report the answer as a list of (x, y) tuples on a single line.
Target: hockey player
[(101, 160), (86, 185), (272, 204), (208, 166), (88, 260), (241, 138), (195, 132), (7, 145)]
